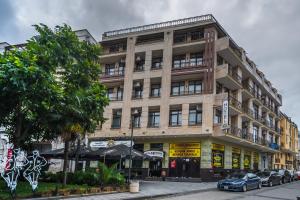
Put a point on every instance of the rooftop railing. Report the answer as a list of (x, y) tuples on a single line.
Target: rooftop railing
[(190, 20)]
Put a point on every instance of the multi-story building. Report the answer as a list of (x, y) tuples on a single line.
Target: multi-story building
[(194, 97), (286, 158)]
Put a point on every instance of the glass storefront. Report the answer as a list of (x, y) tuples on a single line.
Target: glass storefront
[(236, 158), (247, 160), (218, 155), (184, 160)]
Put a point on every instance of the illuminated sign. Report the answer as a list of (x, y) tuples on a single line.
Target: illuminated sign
[(225, 115), (188, 150), (158, 154)]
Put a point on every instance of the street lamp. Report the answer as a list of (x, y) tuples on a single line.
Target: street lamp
[(134, 114)]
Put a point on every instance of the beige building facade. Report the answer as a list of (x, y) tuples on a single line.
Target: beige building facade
[(192, 94)]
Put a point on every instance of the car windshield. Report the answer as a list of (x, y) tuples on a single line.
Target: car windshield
[(281, 172), (236, 176), (263, 174)]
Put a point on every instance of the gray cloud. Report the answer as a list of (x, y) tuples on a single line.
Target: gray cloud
[(267, 29)]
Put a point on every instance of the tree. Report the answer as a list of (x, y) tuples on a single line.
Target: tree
[(28, 92), (77, 74)]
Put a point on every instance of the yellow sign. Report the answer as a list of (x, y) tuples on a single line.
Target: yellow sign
[(247, 161), (236, 150), (185, 146), (219, 147), (217, 159), (184, 153), (236, 160)]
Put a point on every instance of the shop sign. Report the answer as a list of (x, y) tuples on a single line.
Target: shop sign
[(236, 160), (247, 161), (218, 147), (109, 143), (236, 150), (225, 115), (185, 146), (184, 153), (158, 154), (218, 158)]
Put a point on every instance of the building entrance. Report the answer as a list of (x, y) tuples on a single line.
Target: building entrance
[(155, 167), (184, 167)]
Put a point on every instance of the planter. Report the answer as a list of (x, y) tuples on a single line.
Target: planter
[(94, 190), (108, 189), (64, 192), (134, 186)]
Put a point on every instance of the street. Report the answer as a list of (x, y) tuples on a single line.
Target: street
[(283, 192)]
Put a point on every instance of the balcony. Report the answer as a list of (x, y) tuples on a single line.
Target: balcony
[(235, 105), (186, 93), (137, 95), (114, 97), (248, 90), (112, 76), (188, 67), (188, 37), (244, 138), (114, 49), (228, 77)]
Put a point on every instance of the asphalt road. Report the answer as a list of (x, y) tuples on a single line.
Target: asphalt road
[(284, 192)]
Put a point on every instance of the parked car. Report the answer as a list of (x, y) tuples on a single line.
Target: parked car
[(270, 178), (298, 174), (286, 175), (240, 182), (294, 175)]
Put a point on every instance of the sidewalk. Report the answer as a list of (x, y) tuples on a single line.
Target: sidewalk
[(150, 189)]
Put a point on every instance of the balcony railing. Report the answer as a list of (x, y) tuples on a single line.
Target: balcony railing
[(188, 37), (186, 92), (116, 98), (249, 88), (139, 67), (187, 65), (153, 124), (235, 75), (113, 73), (235, 103), (116, 48), (137, 95)]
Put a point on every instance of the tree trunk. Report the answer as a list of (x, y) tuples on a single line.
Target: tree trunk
[(66, 162), (77, 153)]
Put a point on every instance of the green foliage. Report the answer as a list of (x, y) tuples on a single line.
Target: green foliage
[(110, 175), (50, 87)]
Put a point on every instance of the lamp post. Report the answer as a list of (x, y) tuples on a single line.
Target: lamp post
[(134, 114)]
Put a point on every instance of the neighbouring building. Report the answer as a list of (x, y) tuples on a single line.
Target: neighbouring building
[(287, 157), (196, 100)]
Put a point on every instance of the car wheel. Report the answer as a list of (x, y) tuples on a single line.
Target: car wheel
[(244, 188), (270, 183), (259, 186), (283, 181)]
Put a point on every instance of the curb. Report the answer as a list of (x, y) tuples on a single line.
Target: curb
[(131, 198), (171, 194)]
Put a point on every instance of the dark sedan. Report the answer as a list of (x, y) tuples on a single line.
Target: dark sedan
[(270, 178), (240, 182), (286, 175)]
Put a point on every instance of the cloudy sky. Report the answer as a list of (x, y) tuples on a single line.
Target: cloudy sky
[(267, 29)]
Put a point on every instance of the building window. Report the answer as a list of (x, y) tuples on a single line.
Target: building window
[(175, 118), (195, 87), (109, 69), (218, 88), (136, 118), (218, 116), (116, 119), (177, 88), (137, 90), (157, 63), (156, 146), (255, 134), (110, 93), (255, 109), (154, 118), (121, 68), (179, 61), (196, 59), (120, 94), (155, 90), (195, 115)]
